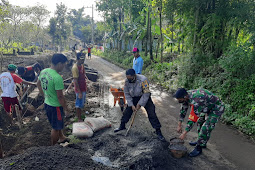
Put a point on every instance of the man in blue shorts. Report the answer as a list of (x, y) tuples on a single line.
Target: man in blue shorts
[(80, 83), (51, 84)]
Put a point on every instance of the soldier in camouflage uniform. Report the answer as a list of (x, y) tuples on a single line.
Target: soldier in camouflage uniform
[(202, 102), (138, 94)]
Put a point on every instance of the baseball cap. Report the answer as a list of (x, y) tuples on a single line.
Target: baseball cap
[(135, 50), (80, 56), (12, 67), (180, 93)]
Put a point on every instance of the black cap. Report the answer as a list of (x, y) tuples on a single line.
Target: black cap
[(21, 70), (130, 72), (180, 93), (80, 56)]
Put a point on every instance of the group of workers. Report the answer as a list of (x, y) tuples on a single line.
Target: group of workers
[(88, 46), (51, 85), (26, 75), (206, 108)]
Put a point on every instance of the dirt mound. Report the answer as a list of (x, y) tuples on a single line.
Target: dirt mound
[(55, 157), (136, 151), (105, 150)]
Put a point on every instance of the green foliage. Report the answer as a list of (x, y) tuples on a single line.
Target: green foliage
[(70, 127), (78, 21), (74, 139), (239, 61), (122, 59), (59, 29), (231, 77), (213, 40), (97, 52)]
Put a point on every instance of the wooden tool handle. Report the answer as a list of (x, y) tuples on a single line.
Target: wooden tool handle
[(131, 124)]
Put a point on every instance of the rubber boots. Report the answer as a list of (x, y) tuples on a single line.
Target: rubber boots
[(197, 151), (160, 136), (195, 143), (122, 127)]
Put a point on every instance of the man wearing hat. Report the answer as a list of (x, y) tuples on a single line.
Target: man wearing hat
[(138, 94), (9, 95), (137, 61), (80, 84), (201, 102)]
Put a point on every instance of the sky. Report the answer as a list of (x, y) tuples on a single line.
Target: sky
[(71, 4)]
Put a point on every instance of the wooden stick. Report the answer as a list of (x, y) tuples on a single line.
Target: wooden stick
[(69, 87), (131, 124), (68, 79), (28, 89), (18, 115)]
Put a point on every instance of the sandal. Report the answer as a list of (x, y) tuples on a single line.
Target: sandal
[(64, 141)]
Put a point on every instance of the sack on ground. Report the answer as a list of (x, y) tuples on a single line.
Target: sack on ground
[(80, 129), (98, 123)]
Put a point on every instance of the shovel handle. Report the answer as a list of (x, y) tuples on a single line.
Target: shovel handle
[(131, 124)]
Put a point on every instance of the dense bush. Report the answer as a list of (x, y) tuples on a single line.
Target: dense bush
[(231, 77)]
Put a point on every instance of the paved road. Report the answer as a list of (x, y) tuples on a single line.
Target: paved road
[(227, 148)]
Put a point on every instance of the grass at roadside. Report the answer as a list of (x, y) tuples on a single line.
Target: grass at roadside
[(237, 94)]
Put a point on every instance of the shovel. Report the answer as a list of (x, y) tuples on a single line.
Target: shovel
[(131, 124)]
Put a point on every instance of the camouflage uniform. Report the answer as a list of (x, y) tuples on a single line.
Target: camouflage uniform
[(139, 93), (204, 102)]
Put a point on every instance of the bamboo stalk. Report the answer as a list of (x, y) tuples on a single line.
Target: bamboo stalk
[(1, 61)]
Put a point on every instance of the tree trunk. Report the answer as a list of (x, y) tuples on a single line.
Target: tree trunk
[(196, 27), (147, 36), (157, 48), (182, 45), (151, 42), (120, 41), (161, 35)]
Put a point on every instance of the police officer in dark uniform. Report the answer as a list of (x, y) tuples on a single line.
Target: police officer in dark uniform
[(138, 94)]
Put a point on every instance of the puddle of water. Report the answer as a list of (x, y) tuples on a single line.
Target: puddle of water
[(104, 160)]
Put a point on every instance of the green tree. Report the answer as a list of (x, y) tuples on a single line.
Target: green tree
[(78, 21), (59, 29)]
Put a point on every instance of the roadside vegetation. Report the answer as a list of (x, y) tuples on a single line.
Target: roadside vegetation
[(190, 44)]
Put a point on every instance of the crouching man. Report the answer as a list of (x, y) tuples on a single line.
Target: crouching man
[(138, 94), (201, 102)]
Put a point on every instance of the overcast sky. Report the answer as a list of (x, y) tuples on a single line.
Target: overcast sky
[(51, 5)]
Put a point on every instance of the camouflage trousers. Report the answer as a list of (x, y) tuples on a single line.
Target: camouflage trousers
[(205, 127)]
